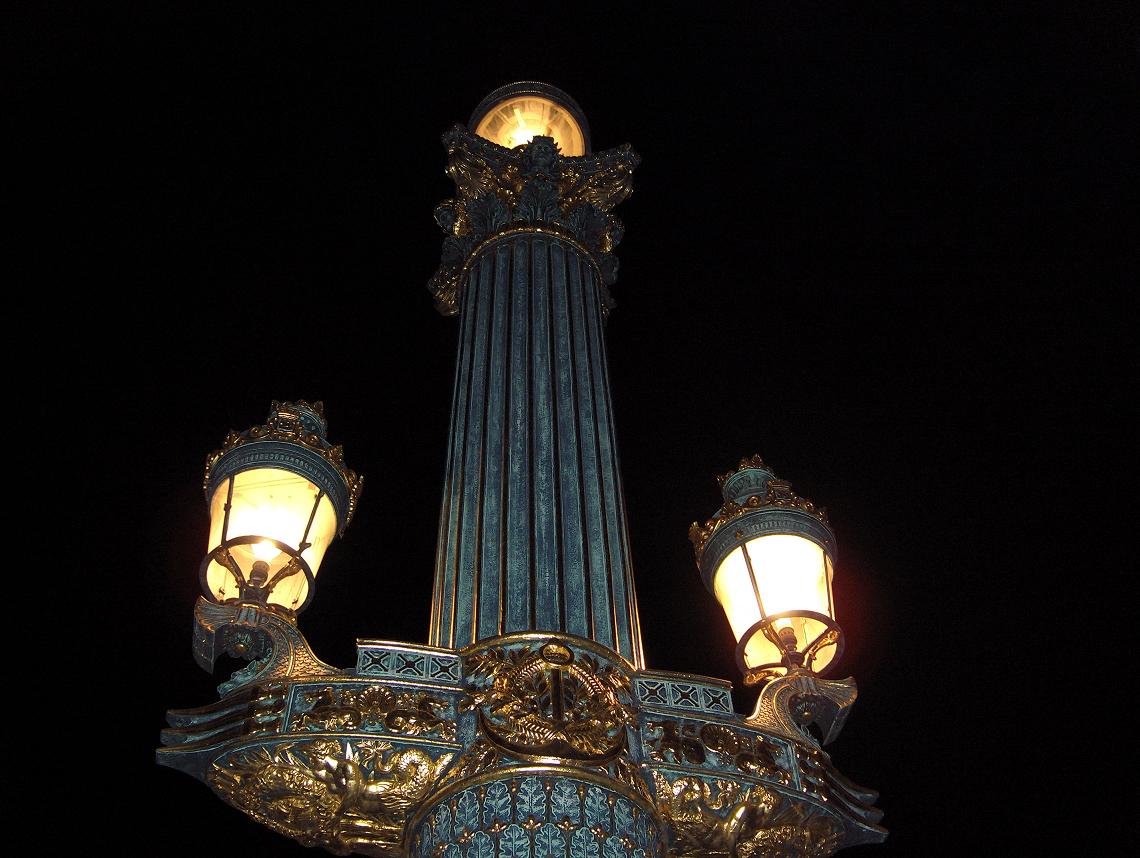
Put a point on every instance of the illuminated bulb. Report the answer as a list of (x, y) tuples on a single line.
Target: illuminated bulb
[(519, 119), (265, 550)]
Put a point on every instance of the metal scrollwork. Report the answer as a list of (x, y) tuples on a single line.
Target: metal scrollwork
[(721, 817), (342, 796), (410, 713), (787, 706), (276, 649), (698, 744), (549, 702)]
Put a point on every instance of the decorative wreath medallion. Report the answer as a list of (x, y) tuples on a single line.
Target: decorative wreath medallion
[(549, 702)]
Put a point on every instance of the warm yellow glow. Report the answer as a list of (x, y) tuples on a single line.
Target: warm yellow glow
[(272, 504), (733, 588), (791, 574), (264, 550), (520, 118)]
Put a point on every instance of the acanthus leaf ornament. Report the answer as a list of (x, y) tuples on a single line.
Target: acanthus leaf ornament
[(530, 187)]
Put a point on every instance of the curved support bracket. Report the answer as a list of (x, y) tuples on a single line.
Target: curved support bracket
[(788, 705), (271, 642)]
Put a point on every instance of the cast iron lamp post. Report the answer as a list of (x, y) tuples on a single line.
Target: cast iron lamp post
[(529, 725)]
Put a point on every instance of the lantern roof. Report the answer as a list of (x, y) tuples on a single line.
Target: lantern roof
[(291, 439)]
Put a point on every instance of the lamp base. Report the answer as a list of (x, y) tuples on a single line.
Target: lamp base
[(532, 742)]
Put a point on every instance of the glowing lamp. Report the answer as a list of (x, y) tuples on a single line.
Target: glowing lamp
[(768, 556), (277, 495), (515, 114)]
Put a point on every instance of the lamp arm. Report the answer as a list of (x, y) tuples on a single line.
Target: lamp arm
[(787, 705), (233, 566), (271, 642), (289, 569)]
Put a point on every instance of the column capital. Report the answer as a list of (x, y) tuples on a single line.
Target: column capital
[(532, 186)]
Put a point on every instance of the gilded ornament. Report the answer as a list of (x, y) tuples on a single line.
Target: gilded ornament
[(532, 187), (779, 495), (376, 706), (269, 639), (548, 702), (721, 817), (326, 793), (698, 744), (789, 704), (747, 463), (481, 756)]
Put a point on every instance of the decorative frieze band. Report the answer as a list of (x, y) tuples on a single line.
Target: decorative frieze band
[(407, 662)]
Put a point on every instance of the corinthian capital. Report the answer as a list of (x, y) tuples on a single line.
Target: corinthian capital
[(531, 187)]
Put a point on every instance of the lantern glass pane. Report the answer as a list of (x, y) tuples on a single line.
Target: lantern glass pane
[(733, 589), (518, 119), (792, 573), (272, 504)]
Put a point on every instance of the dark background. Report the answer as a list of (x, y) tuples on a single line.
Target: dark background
[(890, 247)]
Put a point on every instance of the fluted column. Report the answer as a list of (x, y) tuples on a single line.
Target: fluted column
[(532, 527)]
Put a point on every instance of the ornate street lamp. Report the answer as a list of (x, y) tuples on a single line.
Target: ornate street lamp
[(529, 725), (768, 556), (278, 494)]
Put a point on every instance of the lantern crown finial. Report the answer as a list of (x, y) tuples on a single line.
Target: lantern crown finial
[(750, 479), (310, 416), (751, 487)]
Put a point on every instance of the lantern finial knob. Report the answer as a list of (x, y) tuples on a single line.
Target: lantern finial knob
[(750, 479)]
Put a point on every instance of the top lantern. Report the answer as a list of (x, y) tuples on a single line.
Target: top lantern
[(515, 114)]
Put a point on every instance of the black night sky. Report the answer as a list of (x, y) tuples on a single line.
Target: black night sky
[(887, 246)]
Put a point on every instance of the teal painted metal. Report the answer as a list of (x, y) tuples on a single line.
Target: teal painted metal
[(533, 531), (764, 520), (258, 449), (527, 811)]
